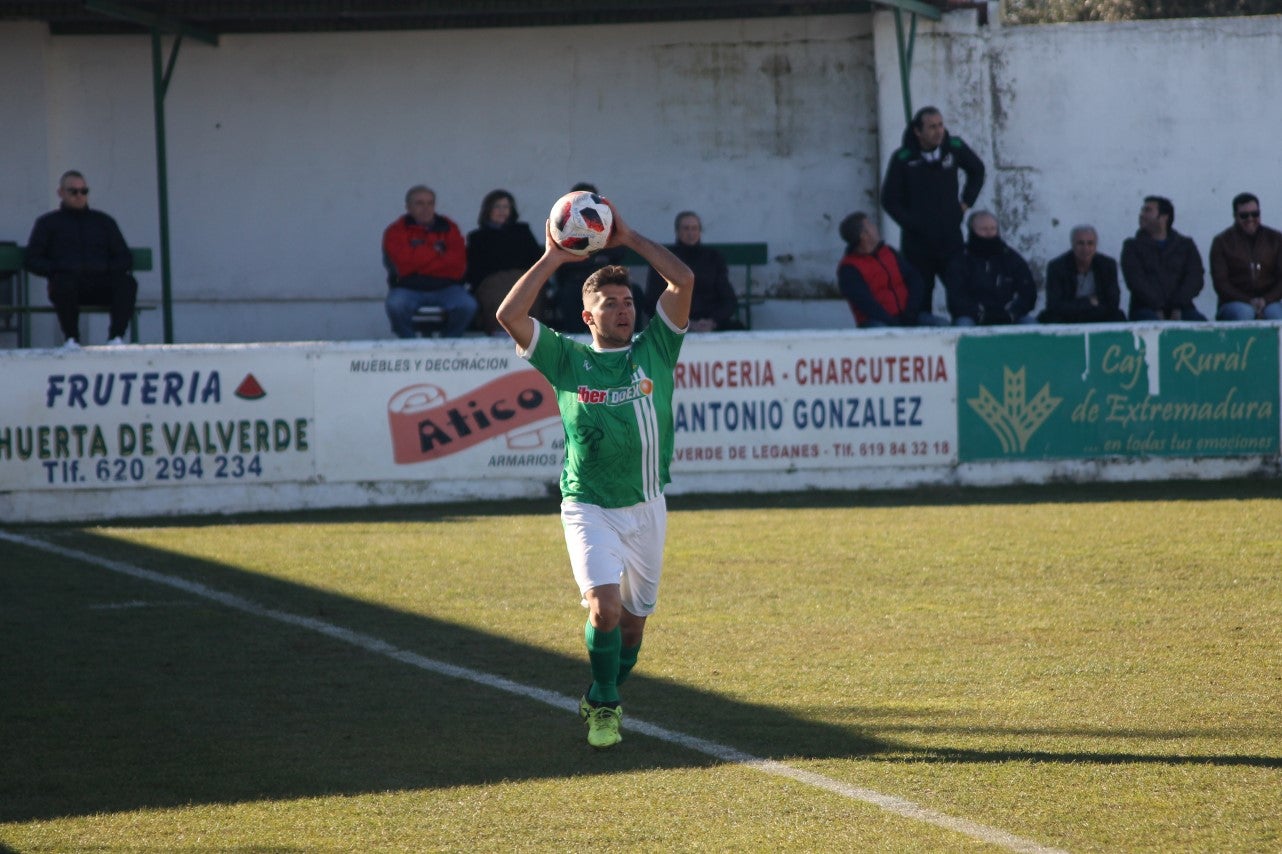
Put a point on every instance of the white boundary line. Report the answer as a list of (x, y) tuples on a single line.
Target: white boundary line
[(371, 644)]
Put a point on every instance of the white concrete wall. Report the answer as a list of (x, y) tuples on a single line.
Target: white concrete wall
[(1078, 122), (289, 154)]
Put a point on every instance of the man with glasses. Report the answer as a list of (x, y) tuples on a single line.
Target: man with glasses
[(86, 260), (1163, 268), (1246, 265), (426, 260)]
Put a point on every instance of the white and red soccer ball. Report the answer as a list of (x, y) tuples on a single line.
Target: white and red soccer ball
[(581, 222)]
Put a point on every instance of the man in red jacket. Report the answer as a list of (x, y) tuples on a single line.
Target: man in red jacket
[(426, 260), (882, 288)]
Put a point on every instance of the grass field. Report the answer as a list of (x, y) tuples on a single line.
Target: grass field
[(1087, 668)]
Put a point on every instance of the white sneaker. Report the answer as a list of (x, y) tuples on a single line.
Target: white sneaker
[(70, 344), (116, 342)]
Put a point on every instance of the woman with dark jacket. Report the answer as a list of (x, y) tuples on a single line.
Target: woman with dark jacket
[(498, 252)]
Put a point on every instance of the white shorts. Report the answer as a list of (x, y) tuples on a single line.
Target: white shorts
[(622, 546)]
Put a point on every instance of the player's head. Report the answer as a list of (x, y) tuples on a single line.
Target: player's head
[(608, 309)]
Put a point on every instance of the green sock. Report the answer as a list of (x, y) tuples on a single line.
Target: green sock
[(627, 660), (603, 653)]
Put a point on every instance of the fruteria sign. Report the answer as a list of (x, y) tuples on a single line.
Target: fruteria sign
[(137, 417), (1178, 392)]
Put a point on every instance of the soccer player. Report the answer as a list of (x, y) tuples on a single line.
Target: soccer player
[(615, 398)]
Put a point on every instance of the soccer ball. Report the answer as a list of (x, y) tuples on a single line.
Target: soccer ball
[(581, 222)]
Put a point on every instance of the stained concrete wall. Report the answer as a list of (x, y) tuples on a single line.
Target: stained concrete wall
[(1078, 122), (289, 154)]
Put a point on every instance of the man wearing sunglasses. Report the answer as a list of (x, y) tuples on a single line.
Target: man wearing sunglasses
[(1246, 265), (86, 260)]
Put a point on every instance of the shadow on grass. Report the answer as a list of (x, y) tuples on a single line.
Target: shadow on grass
[(122, 694), (931, 496)]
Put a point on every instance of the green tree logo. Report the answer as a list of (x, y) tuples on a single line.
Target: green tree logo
[(1016, 418)]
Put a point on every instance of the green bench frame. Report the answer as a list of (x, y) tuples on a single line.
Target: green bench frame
[(11, 258), (746, 255)]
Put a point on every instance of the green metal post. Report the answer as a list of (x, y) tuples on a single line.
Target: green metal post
[(159, 84), (906, 59)]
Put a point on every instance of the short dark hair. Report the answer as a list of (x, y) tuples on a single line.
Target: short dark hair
[(491, 199), (852, 228), (919, 117), (1164, 208), (584, 185), (676, 222), (1244, 198), (70, 173), (611, 275)]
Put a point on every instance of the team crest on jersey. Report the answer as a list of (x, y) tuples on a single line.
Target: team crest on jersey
[(614, 396)]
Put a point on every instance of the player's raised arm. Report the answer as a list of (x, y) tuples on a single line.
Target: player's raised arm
[(514, 312), (676, 297)]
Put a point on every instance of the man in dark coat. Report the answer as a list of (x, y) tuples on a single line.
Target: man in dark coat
[(86, 260), (1163, 268), (1081, 284), (715, 306), (923, 194), (988, 283), (1246, 265)]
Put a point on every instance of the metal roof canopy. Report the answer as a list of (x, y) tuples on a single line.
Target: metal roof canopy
[(206, 20)]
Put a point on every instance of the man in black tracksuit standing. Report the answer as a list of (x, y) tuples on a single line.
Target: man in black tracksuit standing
[(922, 193)]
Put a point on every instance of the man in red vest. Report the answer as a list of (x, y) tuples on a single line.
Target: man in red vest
[(881, 287)]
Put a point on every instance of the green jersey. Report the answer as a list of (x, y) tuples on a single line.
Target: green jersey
[(616, 406)]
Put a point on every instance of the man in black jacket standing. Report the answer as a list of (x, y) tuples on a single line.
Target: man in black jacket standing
[(86, 260), (1163, 268), (923, 194)]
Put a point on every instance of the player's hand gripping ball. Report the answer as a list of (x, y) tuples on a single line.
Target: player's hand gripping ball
[(581, 222)]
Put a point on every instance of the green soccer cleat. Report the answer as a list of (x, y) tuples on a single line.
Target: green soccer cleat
[(603, 723)]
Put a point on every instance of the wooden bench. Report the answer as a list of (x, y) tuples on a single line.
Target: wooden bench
[(745, 255), (11, 257)]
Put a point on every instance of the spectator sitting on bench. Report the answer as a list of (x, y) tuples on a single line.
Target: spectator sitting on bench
[(987, 282), (1162, 268), (426, 260), (1246, 265), (1081, 284), (498, 252), (86, 260), (882, 288), (715, 307)]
